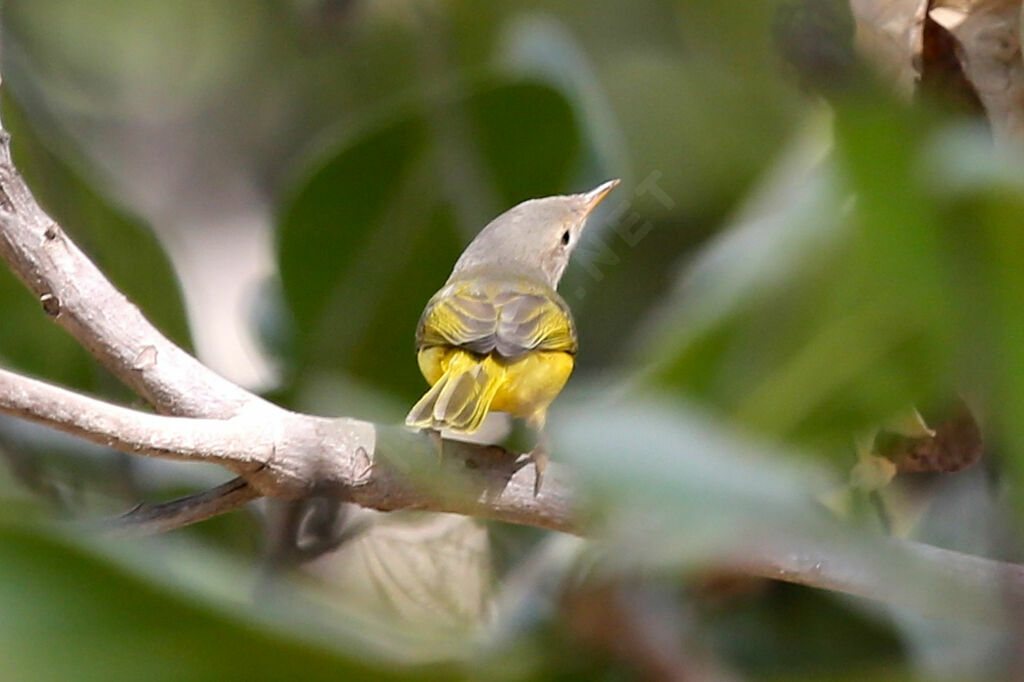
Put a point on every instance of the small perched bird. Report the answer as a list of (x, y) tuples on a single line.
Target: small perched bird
[(497, 336)]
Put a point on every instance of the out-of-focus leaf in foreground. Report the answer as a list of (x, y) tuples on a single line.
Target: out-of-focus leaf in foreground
[(680, 486), (679, 490), (75, 610)]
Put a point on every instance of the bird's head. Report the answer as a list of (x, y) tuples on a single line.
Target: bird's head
[(536, 237)]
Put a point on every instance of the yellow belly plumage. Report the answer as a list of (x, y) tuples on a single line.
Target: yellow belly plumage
[(465, 386)]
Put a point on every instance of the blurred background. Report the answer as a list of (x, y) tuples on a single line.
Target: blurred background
[(799, 316)]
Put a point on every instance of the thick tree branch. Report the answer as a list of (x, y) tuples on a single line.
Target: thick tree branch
[(287, 455)]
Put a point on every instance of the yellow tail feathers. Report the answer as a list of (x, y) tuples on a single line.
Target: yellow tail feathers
[(461, 398)]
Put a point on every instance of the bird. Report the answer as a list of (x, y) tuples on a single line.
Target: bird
[(497, 337)]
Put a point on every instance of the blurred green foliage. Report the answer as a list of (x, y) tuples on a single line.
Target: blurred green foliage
[(769, 282), (70, 614)]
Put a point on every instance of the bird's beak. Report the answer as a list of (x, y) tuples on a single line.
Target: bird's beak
[(594, 197)]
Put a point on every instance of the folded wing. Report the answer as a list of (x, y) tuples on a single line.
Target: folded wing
[(504, 317)]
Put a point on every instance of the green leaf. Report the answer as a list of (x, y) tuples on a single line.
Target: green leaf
[(73, 613), (681, 486), (527, 140)]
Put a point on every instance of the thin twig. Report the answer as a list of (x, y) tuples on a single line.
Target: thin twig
[(150, 519)]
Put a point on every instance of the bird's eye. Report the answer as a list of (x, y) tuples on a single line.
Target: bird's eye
[(565, 238)]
